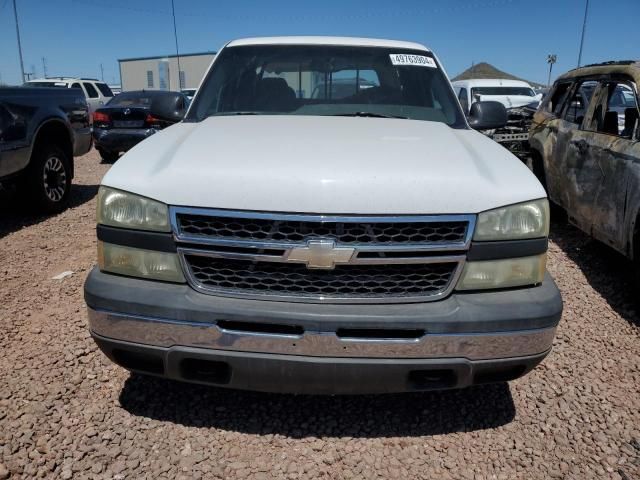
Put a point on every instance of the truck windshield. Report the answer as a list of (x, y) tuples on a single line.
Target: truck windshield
[(518, 91), (327, 80)]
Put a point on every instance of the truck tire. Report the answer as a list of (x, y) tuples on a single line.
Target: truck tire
[(48, 179)]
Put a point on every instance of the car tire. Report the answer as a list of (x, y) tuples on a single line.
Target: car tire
[(48, 181), (108, 156)]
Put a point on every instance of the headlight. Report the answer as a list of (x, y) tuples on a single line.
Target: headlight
[(121, 209), (511, 272), (515, 222), (136, 262)]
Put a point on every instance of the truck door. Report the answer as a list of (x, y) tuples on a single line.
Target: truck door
[(615, 149), (14, 147), (579, 174)]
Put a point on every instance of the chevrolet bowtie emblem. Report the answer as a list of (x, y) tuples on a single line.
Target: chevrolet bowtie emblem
[(322, 254)]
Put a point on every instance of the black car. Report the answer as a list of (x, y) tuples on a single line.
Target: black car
[(131, 117)]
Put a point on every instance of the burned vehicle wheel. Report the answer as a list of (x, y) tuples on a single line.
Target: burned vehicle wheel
[(49, 179), (537, 166)]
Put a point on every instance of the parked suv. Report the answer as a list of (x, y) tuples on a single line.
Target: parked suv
[(279, 241), (97, 93), (585, 141)]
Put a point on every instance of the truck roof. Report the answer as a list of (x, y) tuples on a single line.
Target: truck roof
[(491, 82), (320, 40)]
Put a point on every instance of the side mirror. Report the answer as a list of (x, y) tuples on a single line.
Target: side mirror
[(487, 115), (168, 108)]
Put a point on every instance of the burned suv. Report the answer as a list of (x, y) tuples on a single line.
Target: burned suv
[(586, 150)]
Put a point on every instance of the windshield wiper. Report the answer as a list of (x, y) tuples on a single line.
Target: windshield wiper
[(219, 114), (367, 114)]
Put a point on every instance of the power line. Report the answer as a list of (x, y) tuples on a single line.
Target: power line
[(584, 27), (175, 35), (15, 15)]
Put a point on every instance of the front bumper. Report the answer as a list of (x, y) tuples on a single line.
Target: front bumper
[(120, 140), (172, 330)]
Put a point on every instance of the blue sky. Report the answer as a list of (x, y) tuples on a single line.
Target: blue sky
[(76, 36)]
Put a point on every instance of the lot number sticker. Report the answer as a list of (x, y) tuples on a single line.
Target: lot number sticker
[(402, 59)]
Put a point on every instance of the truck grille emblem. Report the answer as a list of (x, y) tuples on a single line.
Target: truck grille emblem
[(321, 254)]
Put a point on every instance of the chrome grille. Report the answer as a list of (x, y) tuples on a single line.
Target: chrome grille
[(321, 258), (344, 282), (258, 229)]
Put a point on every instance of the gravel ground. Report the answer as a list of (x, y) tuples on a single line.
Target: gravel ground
[(66, 412)]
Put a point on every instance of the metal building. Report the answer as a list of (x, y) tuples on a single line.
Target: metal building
[(161, 73)]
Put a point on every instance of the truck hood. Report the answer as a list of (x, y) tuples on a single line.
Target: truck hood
[(316, 164)]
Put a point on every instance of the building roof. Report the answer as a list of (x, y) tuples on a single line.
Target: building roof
[(349, 41), (160, 57)]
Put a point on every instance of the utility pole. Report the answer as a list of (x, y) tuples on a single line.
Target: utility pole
[(551, 59), (175, 35), (584, 27), (44, 67), (15, 15), (102, 72)]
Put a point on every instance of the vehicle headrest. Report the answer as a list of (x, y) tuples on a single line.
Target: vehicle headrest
[(610, 125)]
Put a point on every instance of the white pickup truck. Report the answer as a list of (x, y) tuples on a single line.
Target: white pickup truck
[(287, 237)]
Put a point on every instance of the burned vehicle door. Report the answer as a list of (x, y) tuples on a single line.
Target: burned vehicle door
[(578, 174), (615, 149), (544, 132)]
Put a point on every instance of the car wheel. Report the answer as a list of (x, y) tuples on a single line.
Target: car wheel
[(108, 156), (49, 179)]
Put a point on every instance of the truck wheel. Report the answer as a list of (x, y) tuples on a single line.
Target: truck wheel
[(107, 156), (49, 179)]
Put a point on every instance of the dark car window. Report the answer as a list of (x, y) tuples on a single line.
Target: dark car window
[(104, 89), (76, 85), (144, 99), (91, 92), (131, 99), (282, 79)]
